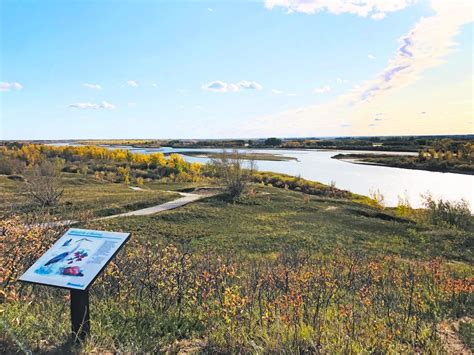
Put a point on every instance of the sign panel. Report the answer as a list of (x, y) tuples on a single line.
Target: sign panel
[(76, 259)]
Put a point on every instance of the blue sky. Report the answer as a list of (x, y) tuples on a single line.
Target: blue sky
[(156, 69)]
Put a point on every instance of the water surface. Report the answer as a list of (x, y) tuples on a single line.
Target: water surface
[(318, 165)]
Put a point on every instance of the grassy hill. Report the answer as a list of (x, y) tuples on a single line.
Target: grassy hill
[(275, 270)]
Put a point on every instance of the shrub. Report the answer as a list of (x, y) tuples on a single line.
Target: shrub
[(43, 186), (448, 213), (152, 295), (233, 173)]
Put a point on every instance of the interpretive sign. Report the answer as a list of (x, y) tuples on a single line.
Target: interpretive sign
[(76, 259)]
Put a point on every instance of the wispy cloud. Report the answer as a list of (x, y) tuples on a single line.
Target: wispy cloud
[(253, 85), (322, 90), (91, 106), (277, 92), (371, 56), (221, 86), (92, 86), (376, 9), (424, 47), (4, 86), (132, 83)]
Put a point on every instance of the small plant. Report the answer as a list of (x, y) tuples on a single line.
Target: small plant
[(125, 174), (377, 199), (404, 208)]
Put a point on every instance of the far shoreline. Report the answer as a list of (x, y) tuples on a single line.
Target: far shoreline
[(361, 161)]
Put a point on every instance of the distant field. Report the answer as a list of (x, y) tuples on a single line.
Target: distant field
[(84, 194)]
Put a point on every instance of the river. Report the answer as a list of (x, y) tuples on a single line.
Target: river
[(318, 165)]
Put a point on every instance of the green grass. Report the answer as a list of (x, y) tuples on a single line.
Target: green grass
[(276, 219), (272, 220), (85, 194), (156, 296), (466, 333)]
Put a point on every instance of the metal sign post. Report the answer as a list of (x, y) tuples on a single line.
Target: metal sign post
[(73, 263), (80, 320)]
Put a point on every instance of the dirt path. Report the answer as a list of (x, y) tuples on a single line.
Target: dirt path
[(448, 332), (182, 201), (185, 199)]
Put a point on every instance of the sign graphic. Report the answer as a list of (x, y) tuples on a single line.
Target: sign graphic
[(76, 259)]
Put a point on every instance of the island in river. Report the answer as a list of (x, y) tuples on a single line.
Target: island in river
[(411, 162)]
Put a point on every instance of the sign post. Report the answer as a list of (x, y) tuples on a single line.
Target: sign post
[(73, 263), (80, 321)]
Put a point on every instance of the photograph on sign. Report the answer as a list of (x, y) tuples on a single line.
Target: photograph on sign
[(75, 259)]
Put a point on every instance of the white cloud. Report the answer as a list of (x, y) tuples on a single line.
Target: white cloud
[(277, 92), (92, 86), (132, 83), (244, 84), (371, 56), (221, 86), (88, 105), (322, 90), (210, 9), (378, 16), (4, 86), (341, 81), (154, 85), (376, 9)]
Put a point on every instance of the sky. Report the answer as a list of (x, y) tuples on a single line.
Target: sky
[(235, 69)]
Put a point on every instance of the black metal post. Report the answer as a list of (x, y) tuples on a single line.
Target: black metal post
[(80, 321)]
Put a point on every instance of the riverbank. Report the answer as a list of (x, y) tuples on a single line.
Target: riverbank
[(243, 156), (407, 162)]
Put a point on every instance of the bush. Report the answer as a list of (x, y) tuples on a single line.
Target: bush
[(448, 213), (153, 295), (231, 171), (299, 184), (43, 186)]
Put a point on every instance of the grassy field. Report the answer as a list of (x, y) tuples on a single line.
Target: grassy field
[(276, 270), (270, 220), (277, 219), (85, 194)]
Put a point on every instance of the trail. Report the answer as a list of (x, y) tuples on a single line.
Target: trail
[(182, 201), (170, 205)]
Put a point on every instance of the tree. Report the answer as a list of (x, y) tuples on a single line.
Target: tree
[(274, 142), (125, 174), (43, 186), (233, 172)]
